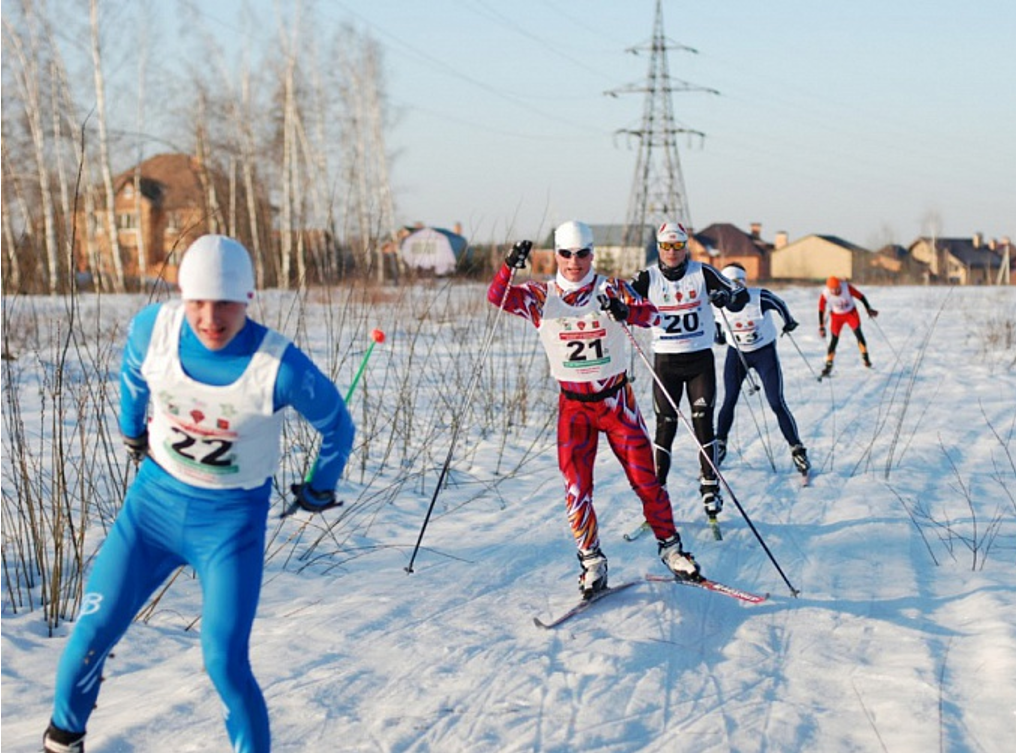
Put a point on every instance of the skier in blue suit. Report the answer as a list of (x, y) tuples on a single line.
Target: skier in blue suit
[(203, 389)]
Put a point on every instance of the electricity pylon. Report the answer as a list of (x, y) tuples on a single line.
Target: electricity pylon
[(658, 191)]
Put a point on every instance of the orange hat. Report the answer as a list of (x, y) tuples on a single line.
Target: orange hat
[(833, 283)]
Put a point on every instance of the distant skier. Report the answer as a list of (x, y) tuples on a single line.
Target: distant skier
[(839, 295), (202, 393), (750, 335), (579, 316), (682, 290)]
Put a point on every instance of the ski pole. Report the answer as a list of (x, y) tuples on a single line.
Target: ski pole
[(752, 387), (458, 419), (803, 357), (687, 425), (887, 342), (376, 336)]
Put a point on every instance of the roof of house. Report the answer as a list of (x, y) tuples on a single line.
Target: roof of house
[(171, 180), (459, 243), (731, 240), (608, 235), (894, 250), (964, 250), (838, 241)]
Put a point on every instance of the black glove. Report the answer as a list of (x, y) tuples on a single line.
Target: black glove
[(137, 447), (720, 297), (872, 313), (311, 500), (789, 327), (616, 308), (519, 254)]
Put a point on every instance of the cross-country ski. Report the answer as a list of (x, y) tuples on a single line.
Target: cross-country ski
[(583, 605), (714, 586)]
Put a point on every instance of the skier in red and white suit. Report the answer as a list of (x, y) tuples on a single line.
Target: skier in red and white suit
[(580, 318), (839, 296)]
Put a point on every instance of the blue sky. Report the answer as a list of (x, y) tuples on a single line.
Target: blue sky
[(875, 121)]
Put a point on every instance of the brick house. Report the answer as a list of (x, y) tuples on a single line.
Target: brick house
[(722, 243), (173, 199)]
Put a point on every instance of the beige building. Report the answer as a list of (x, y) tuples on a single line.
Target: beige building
[(965, 261), (813, 258)]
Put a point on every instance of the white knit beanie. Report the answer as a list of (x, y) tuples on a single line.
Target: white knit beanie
[(216, 268)]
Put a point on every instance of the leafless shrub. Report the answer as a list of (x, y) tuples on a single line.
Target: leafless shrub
[(65, 473), (976, 526)]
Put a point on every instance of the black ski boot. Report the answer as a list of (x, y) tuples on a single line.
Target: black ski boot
[(800, 456), (56, 740), (709, 488)]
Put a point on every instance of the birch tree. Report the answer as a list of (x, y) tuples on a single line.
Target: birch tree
[(370, 201), (30, 55), (119, 282)]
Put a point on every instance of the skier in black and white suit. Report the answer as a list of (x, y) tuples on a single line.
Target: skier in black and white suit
[(682, 290)]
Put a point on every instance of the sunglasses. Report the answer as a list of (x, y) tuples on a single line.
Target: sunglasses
[(582, 253), (675, 246)]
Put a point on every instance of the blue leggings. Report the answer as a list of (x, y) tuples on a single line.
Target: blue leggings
[(766, 363), (221, 535)]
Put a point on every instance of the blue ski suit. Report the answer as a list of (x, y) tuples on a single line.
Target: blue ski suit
[(220, 533)]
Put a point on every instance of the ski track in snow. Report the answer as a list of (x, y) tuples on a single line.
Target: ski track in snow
[(883, 650)]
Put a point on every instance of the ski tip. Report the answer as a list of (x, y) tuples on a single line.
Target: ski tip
[(540, 624), (714, 526), (636, 533)]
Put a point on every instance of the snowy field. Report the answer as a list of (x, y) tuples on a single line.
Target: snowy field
[(903, 638)]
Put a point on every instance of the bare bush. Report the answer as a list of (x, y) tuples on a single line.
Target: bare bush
[(65, 473)]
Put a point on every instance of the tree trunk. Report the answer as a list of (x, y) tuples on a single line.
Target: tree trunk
[(29, 85), (119, 283), (12, 264)]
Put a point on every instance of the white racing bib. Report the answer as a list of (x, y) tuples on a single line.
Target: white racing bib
[(688, 323), (582, 343), (209, 436), (749, 327), (840, 302)]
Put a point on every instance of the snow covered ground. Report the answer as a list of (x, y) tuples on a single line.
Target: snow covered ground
[(903, 638)]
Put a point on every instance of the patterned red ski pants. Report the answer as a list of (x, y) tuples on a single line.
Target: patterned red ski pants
[(578, 428)]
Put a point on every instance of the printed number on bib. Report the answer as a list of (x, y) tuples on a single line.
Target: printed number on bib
[(206, 451), (679, 323), (578, 349)]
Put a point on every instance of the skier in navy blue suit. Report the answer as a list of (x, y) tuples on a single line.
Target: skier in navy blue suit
[(751, 338), (203, 389)]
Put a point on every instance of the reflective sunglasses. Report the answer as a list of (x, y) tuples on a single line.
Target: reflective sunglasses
[(582, 253), (675, 246)]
